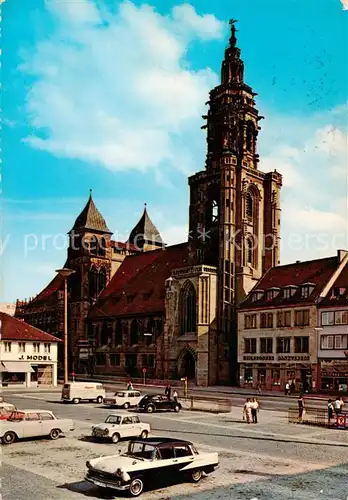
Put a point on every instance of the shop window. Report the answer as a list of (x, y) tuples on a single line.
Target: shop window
[(249, 321), (302, 344), (341, 317), (302, 317), (36, 347), (100, 359), (261, 375), (327, 341), (266, 345), (276, 376), (250, 346), (327, 318), (283, 345), (248, 375), (8, 346), (47, 348), (115, 359), (21, 346)]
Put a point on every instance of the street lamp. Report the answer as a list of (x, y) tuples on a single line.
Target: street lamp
[(65, 273)]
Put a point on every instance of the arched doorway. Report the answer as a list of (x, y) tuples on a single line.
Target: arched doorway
[(188, 366)]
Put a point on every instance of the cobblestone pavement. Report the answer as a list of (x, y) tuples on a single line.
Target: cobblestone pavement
[(270, 460)]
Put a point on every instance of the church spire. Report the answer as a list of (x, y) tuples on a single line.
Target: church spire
[(232, 70)]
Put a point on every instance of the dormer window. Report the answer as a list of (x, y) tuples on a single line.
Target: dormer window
[(272, 293), (289, 291), (257, 295), (306, 290), (338, 292)]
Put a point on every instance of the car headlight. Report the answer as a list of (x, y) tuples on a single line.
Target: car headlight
[(106, 432)]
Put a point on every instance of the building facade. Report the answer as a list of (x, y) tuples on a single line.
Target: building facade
[(28, 356), (278, 327)]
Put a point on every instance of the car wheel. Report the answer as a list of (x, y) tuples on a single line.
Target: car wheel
[(9, 438), (99, 400), (54, 434), (144, 435), (196, 475), (177, 408), (76, 401), (115, 438), (136, 487), (126, 406), (150, 409)]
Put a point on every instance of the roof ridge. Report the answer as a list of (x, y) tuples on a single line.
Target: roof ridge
[(27, 326)]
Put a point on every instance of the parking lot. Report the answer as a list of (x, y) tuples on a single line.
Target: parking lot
[(269, 460)]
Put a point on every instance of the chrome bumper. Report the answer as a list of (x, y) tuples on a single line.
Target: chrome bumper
[(105, 484)]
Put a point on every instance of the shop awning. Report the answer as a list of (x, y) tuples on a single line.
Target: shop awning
[(17, 367)]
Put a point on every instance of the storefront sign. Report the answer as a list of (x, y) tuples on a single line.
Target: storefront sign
[(293, 358), (31, 357), (276, 358), (258, 358)]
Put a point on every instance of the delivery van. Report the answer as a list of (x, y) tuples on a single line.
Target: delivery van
[(75, 392)]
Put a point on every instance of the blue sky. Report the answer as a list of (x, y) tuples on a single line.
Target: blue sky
[(79, 112)]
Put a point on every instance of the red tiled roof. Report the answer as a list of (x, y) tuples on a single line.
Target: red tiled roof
[(122, 246), (54, 285), (317, 272), (335, 300), (137, 276), (15, 329)]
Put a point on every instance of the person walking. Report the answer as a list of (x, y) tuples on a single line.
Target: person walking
[(254, 409), (342, 403), (301, 408), (330, 411), (287, 389), (247, 411), (168, 391), (337, 406), (175, 396)]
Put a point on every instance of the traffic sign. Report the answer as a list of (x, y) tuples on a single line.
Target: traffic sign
[(144, 370)]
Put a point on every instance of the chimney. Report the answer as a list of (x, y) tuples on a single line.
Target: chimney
[(341, 254), (298, 262)]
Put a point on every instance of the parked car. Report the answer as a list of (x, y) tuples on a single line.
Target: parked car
[(33, 423), (117, 426), (125, 399), (149, 461), (75, 392), (151, 403)]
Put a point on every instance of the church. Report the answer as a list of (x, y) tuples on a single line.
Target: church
[(173, 309)]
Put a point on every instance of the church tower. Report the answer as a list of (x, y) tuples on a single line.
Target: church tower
[(234, 207)]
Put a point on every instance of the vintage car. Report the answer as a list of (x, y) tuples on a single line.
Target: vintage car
[(155, 402), (33, 423), (118, 426), (5, 414), (124, 399), (150, 461)]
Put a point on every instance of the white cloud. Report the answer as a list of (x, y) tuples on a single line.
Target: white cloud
[(115, 89), (175, 234)]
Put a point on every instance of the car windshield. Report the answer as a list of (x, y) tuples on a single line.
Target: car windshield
[(113, 419), (142, 451), (16, 415)]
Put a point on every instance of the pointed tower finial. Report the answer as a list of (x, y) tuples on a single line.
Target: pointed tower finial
[(233, 38), (90, 192)]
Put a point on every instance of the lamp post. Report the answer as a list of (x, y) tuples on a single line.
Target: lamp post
[(65, 273)]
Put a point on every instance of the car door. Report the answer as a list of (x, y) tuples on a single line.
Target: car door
[(32, 425), (137, 427), (164, 402), (183, 456), (127, 427), (47, 422), (137, 398)]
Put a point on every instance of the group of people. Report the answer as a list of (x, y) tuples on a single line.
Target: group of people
[(250, 410), (333, 408), (168, 393)]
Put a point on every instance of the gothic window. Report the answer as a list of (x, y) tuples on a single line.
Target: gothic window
[(249, 250), (102, 247), (250, 137), (101, 280), (134, 333), (93, 283), (215, 212), (249, 206), (188, 312), (104, 336), (118, 333), (93, 245), (149, 332)]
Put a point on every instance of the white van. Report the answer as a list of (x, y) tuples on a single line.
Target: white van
[(75, 392)]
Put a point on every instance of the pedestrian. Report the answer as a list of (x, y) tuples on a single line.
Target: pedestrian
[(337, 406), (168, 391), (175, 396), (301, 408), (129, 386), (292, 386), (287, 389), (330, 411), (247, 411), (254, 409), (342, 403)]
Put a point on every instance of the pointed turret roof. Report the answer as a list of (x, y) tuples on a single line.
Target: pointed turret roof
[(91, 219), (145, 232)]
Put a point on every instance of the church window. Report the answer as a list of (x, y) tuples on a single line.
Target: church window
[(250, 132), (101, 280), (149, 332), (249, 250), (188, 311), (118, 333), (104, 334), (93, 283), (94, 245), (134, 333), (215, 212), (102, 247), (249, 206)]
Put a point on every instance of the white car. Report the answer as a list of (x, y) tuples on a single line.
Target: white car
[(33, 423), (148, 461), (123, 399), (118, 426)]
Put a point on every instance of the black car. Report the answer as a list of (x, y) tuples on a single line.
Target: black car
[(151, 403)]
